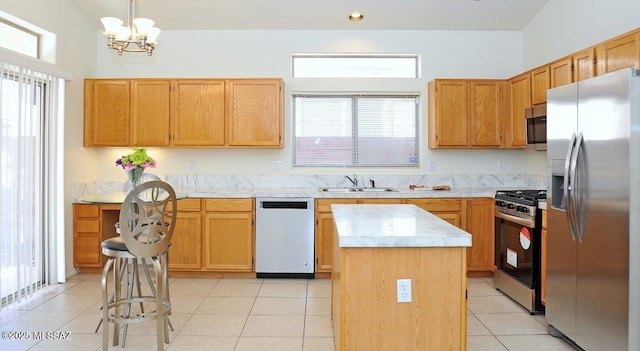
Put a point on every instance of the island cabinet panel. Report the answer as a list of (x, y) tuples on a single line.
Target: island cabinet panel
[(519, 99), (198, 113), (480, 224), (186, 243), (229, 235), (254, 112), (107, 112), (366, 315)]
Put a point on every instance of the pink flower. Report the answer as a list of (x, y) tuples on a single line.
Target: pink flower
[(129, 167)]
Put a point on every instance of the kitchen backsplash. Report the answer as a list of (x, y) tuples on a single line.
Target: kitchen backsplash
[(211, 182)]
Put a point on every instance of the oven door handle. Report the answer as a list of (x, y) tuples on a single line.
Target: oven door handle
[(530, 223), (567, 185)]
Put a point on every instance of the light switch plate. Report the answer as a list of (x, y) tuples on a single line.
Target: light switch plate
[(276, 165)]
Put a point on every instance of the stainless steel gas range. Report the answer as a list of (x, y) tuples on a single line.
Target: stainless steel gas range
[(518, 230)]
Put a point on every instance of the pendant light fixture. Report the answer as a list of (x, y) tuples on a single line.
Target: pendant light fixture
[(139, 35)]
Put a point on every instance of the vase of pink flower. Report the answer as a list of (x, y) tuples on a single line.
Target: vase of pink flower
[(135, 164)]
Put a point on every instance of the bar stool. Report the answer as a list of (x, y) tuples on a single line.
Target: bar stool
[(147, 222)]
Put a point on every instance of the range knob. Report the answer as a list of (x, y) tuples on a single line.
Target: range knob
[(522, 209), (510, 206), (500, 203)]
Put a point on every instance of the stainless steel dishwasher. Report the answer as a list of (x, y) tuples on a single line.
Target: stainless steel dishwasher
[(285, 238)]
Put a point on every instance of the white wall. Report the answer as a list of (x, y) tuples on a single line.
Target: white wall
[(445, 54), (563, 27)]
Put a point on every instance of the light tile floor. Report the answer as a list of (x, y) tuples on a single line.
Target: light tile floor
[(249, 315)]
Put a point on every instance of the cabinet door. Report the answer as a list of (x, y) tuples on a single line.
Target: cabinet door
[(86, 236), (584, 65), (197, 113), (325, 230), (229, 241), (106, 112), (452, 217), (543, 260), (618, 53), (515, 125), (186, 244), (485, 117), (150, 112), (448, 121), (561, 72), (539, 85), (480, 224), (254, 112)]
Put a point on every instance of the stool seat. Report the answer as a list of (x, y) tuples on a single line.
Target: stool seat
[(115, 243)]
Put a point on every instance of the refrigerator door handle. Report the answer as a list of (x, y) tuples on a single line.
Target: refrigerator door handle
[(574, 193), (567, 185)]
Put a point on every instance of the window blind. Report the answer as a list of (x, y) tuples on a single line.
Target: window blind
[(359, 130)]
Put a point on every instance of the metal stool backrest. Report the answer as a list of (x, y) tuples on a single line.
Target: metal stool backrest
[(147, 218)]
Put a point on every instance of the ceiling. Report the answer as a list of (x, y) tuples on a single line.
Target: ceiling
[(498, 15)]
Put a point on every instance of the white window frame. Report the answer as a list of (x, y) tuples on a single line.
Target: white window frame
[(355, 66)]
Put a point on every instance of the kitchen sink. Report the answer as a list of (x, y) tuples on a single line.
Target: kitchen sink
[(355, 190)]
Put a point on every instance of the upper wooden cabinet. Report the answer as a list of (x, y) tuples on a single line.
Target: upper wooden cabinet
[(539, 85), (584, 64), (184, 112), (465, 113), (519, 98), (254, 111), (618, 53), (561, 72), (198, 113)]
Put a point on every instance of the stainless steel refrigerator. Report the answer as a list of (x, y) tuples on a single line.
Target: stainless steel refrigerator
[(593, 244)]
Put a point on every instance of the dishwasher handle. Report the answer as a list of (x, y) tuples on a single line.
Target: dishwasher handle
[(279, 205)]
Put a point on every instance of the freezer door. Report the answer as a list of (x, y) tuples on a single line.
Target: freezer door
[(560, 309), (602, 192)]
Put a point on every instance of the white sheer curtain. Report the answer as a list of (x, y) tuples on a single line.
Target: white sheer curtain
[(31, 186)]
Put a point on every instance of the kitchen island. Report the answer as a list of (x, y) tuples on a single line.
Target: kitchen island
[(375, 246)]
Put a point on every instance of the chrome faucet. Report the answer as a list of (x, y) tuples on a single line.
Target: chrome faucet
[(353, 181)]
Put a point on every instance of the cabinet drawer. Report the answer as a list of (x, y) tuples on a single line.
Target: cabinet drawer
[(189, 205), (229, 205), (87, 226), (437, 205), (86, 211), (324, 205)]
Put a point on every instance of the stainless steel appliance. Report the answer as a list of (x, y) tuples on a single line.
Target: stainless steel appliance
[(517, 246), (536, 118), (593, 247), (285, 238)]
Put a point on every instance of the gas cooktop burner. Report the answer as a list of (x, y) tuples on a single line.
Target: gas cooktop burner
[(526, 197)]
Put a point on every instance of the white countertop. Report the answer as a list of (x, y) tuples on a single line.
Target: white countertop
[(394, 226)]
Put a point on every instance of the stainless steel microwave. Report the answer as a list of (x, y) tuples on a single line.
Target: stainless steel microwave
[(536, 118)]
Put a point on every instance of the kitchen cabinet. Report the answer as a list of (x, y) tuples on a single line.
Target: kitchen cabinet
[(198, 112), (325, 231), (449, 209), (561, 72), (618, 53), (186, 243), (254, 112), (92, 224), (543, 260), (584, 64), (519, 99), (480, 224), (229, 235), (465, 113), (126, 112), (539, 85), (184, 112)]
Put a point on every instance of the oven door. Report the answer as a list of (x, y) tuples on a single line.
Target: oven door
[(515, 242)]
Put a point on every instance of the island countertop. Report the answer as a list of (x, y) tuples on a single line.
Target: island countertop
[(394, 226)]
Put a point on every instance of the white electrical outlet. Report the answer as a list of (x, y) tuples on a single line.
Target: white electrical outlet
[(404, 290), (432, 166), (501, 165), (276, 165)]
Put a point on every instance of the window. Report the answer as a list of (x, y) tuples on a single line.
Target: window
[(355, 130), (18, 39), (355, 66)]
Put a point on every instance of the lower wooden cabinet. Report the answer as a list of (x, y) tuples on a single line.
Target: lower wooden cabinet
[(186, 244), (448, 209), (480, 223), (325, 231), (543, 260)]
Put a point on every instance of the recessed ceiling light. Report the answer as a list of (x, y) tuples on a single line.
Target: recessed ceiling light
[(356, 16)]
